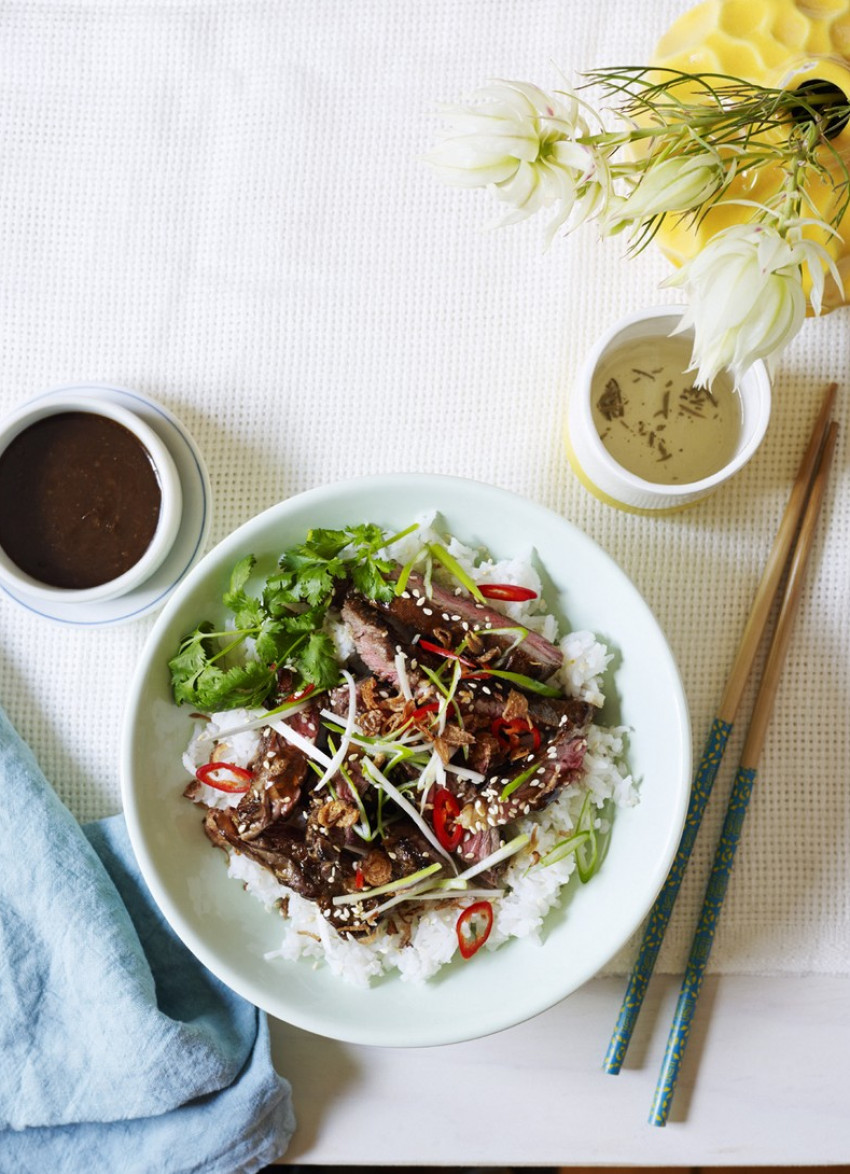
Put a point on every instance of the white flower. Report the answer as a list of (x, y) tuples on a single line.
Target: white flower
[(745, 292), (675, 184), (523, 142)]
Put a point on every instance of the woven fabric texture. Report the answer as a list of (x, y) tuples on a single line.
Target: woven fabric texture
[(223, 205)]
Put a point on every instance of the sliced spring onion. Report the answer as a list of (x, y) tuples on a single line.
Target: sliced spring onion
[(345, 740), (510, 849), (449, 697), (407, 895), (463, 772), (527, 683), (519, 634), (424, 893), (404, 882), (304, 744), (364, 828), (404, 574), (445, 895), (262, 719), (384, 784), (433, 773), (401, 747), (397, 537), (583, 840), (587, 867), (454, 568), (429, 566), (435, 679), (521, 778), (403, 678), (563, 848)]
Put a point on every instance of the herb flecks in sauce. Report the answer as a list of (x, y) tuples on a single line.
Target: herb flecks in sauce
[(656, 422)]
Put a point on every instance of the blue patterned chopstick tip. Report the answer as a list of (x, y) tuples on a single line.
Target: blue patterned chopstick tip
[(659, 916), (718, 882)]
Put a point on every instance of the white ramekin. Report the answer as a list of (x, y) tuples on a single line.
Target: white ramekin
[(171, 504), (608, 480)]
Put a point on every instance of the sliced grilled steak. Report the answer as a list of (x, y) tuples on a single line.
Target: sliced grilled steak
[(372, 638), (279, 848), (477, 846), (449, 619), (407, 848), (547, 712), (557, 764)]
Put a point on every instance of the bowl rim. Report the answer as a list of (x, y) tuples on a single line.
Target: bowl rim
[(418, 1030)]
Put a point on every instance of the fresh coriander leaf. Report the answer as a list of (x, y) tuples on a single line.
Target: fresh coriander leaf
[(247, 685), (273, 642), (192, 655), (307, 621), (326, 544), (368, 578), (313, 576), (317, 661), (241, 573), (277, 596), (247, 612), (367, 534)]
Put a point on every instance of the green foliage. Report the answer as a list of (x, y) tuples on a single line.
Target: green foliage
[(214, 670)]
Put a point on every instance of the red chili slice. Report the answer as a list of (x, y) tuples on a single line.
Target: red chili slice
[(424, 710), (506, 591), (204, 774), (508, 733), (473, 927), (299, 695), (446, 810), (447, 653)]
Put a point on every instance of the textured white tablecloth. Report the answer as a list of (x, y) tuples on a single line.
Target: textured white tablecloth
[(223, 205)]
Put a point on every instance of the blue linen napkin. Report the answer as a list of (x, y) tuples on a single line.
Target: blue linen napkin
[(120, 1051)]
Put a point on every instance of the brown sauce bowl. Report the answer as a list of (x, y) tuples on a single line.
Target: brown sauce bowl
[(90, 499)]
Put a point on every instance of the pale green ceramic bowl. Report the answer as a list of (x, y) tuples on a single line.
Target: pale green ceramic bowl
[(230, 932)]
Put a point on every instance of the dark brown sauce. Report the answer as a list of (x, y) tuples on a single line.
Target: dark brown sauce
[(79, 500)]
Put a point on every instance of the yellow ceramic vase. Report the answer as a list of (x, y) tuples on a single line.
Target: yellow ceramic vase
[(776, 43)]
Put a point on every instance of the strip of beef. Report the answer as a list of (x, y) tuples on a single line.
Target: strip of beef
[(280, 770), (556, 764), (375, 643), (477, 846), (279, 848), (313, 867), (451, 619), (407, 848), (547, 712)]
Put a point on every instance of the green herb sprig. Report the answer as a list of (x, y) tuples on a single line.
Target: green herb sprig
[(216, 669)]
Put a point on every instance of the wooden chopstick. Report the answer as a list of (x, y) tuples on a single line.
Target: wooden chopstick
[(739, 798), (776, 560), (718, 736)]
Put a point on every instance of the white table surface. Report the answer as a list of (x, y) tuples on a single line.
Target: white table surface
[(764, 1083), (222, 205)]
